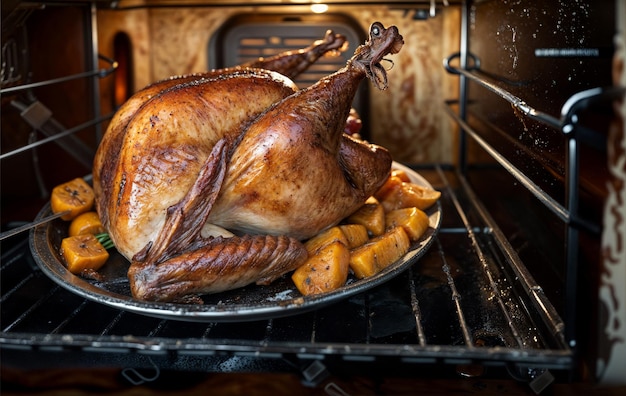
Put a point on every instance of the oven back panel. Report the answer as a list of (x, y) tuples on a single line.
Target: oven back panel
[(246, 37)]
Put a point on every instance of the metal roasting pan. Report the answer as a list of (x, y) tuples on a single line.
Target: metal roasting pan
[(252, 302)]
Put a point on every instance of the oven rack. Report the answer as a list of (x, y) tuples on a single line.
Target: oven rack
[(575, 134), (467, 301), (39, 117), (100, 73), (567, 123)]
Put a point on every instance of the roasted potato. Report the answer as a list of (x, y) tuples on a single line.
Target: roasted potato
[(83, 252), (325, 271), (75, 196), (371, 215), (413, 220), (379, 252)]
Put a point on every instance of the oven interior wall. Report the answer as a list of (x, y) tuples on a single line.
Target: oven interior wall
[(407, 118)]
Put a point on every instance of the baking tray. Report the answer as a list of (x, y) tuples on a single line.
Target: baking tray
[(253, 302)]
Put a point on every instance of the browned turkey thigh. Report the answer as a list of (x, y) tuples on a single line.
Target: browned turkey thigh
[(179, 264), (295, 172)]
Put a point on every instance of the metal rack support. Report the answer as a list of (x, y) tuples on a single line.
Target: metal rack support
[(575, 134)]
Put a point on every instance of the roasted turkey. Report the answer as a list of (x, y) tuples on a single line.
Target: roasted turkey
[(290, 64), (244, 150)]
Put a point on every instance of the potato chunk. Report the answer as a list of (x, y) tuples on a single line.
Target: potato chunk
[(75, 196), (392, 182), (319, 241), (86, 223), (325, 271), (371, 215), (356, 234), (401, 174), (83, 252), (406, 195), (413, 220), (379, 253)]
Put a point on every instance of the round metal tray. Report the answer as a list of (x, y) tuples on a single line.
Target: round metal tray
[(252, 302)]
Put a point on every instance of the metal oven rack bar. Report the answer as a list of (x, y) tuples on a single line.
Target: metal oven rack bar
[(575, 134), (39, 116), (567, 124), (100, 73)]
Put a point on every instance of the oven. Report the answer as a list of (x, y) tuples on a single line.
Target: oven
[(513, 110)]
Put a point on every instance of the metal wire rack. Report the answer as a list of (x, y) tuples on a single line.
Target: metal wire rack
[(463, 303)]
